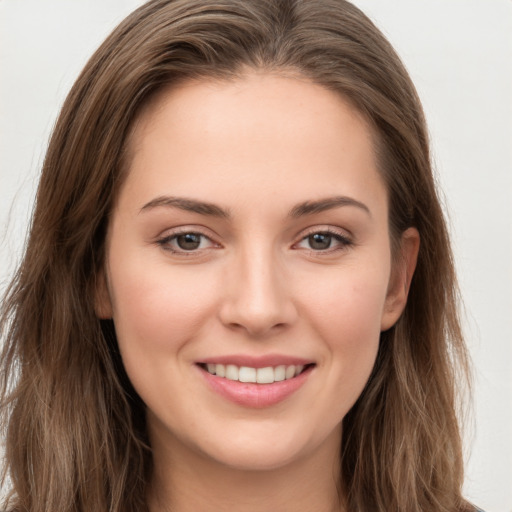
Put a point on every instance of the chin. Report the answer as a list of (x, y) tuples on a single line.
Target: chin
[(268, 451), (255, 458)]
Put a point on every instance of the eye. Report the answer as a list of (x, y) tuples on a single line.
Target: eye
[(324, 241), (320, 241), (186, 242)]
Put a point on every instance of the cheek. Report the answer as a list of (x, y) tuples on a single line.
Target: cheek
[(157, 311), (157, 307), (346, 313), (351, 303)]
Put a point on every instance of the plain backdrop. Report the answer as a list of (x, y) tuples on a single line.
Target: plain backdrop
[(459, 53)]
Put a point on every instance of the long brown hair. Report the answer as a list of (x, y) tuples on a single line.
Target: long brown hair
[(74, 426)]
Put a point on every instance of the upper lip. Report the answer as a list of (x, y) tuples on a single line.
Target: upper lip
[(256, 361)]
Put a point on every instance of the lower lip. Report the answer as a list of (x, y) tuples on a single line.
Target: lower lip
[(253, 395)]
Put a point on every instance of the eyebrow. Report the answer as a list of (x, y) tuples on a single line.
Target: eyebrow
[(210, 209), (189, 205), (312, 207)]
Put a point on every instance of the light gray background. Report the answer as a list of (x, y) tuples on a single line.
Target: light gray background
[(459, 53)]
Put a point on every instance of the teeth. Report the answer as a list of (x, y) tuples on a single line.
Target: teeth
[(232, 372), (246, 374), (266, 375), (220, 370), (290, 372), (279, 373)]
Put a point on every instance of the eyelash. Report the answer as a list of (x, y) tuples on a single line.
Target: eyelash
[(343, 242), (165, 242)]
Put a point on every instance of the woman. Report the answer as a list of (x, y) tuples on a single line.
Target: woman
[(238, 288)]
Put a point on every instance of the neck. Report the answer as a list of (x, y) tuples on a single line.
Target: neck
[(187, 481)]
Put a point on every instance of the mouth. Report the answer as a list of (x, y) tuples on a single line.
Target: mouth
[(248, 374), (264, 384)]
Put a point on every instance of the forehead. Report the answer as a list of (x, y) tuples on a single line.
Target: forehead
[(282, 131)]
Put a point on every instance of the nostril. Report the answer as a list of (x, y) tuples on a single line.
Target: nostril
[(257, 328), (258, 305)]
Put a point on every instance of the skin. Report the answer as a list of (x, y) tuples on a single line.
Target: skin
[(255, 147)]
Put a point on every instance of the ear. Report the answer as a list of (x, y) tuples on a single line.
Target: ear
[(102, 301), (401, 276)]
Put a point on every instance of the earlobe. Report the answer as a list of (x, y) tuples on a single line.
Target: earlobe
[(401, 277), (102, 302)]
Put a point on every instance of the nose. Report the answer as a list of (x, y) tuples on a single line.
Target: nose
[(257, 297)]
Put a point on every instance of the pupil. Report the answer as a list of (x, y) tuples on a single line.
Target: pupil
[(320, 241), (188, 241)]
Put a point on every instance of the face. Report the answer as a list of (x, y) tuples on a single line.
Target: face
[(249, 271)]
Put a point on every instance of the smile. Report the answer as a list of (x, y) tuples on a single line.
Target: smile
[(258, 385), (267, 375)]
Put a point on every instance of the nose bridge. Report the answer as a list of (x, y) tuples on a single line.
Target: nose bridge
[(258, 298)]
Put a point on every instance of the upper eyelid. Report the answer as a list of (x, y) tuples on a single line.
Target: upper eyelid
[(180, 230), (213, 237), (335, 230)]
